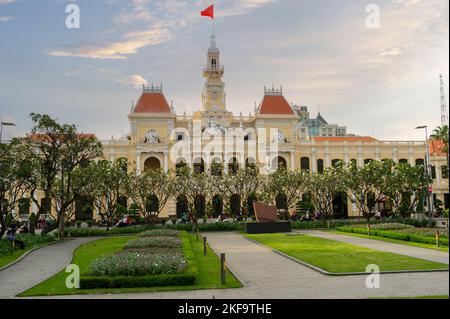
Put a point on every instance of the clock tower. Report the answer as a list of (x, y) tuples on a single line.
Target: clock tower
[(213, 97)]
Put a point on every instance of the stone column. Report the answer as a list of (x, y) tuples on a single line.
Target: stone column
[(138, 163), (292, 160), (166, 162)]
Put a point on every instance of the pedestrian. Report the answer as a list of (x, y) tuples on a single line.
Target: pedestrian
[(11, 236)]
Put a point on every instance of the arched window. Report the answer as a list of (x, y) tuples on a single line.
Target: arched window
[(233, 166), (279, 163), (182, 207), (200, 206), (420, 161), (250, 162), (304, 163), (152, 204), (403, 161), (368, 161), (235, 205), (199, 166), (213, 64), (320, 165), (152, 163), (180, 165), (217, 205), (216, 168), (335, 162)]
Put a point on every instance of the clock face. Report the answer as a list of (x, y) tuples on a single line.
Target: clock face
[(215, 108)]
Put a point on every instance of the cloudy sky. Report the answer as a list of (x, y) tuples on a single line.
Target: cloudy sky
[(381, 82)]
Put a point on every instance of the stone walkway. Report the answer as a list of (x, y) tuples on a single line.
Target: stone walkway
[(412, 251), (37, 266), (268, 275)]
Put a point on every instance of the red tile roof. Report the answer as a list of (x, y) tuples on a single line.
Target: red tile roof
[(344, 139), (152, 103), (436, 147), (275, 104)]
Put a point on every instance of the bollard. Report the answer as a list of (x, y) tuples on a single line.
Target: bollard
[(368, 229), (12, 247), (437, 238), (222, 268), (204, 246)]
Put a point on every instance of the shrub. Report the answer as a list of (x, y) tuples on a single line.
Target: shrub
[(135, 264), (396, 235), (169, 242), (29, 240), (385, 226), (93, 282), (160, 232)]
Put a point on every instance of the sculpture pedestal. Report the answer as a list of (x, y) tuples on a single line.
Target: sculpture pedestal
[(267, 228)]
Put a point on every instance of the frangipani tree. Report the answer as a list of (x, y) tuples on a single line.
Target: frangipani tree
[(323, 188), (287, 183), (150, 191)]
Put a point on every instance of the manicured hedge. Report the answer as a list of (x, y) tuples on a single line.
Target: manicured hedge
[(395, 235), (162, 280)]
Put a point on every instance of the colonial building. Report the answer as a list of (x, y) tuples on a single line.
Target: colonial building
[(304, 143)]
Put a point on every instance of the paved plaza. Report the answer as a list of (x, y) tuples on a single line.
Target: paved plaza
[(263, 273)]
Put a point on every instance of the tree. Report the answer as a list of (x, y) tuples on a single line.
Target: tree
[(106, 183), (324, 187), (14, 171), (405, 187), (244, 184), (365, 184), (150, 191), (291, 184), (441, 134), (193, 186), (59, 149)]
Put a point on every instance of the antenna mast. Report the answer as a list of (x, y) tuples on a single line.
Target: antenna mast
[(444, 116)]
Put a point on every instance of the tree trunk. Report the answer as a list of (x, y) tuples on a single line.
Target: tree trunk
[(61, 227)]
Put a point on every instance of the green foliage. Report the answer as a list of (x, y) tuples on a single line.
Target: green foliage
[(168, 242), (150, 191), (163, 280), (29, 240), (324, 187), (396, 235), (160, 232)]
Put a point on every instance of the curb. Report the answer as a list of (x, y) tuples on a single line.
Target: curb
[(334, 274), (29, 252)]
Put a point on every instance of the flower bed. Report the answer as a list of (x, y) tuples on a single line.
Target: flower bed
[(160, 232), (146, 262), (162, 241), (136, 264)]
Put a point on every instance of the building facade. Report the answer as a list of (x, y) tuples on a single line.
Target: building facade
[(303, 143)]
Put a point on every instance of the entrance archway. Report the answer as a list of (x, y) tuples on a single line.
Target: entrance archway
[(152, 163)]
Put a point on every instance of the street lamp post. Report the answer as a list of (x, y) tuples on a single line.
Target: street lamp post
[(1, 128), (428, 169)]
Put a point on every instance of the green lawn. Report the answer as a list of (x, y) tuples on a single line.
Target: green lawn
[(337, 257), (395, 241), (208, 270)]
